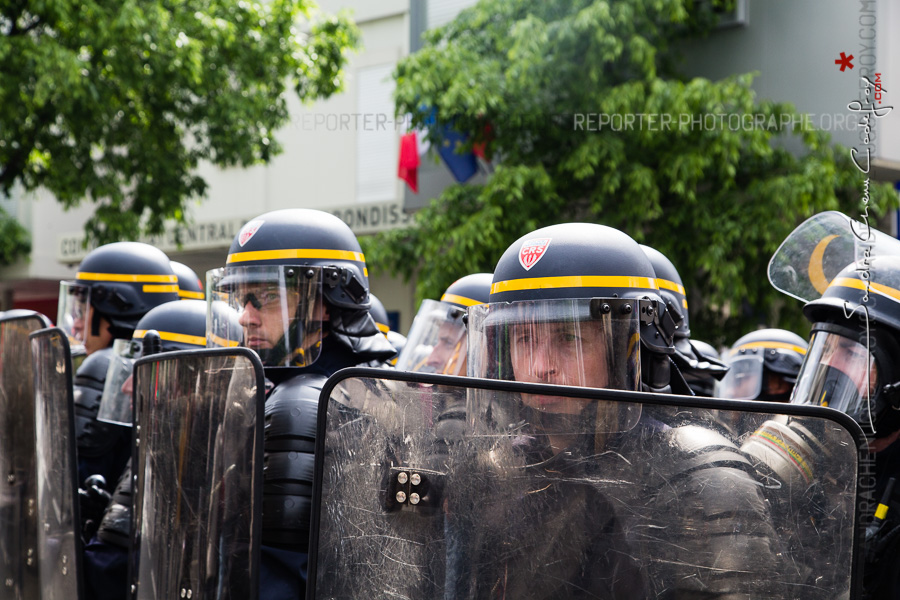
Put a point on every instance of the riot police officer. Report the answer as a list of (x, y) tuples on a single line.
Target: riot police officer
[(115, 285), (764, 366), (437, 338), (578, 304), (298, 279), (852, 366)]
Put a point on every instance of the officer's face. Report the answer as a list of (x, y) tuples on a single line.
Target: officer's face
[(266, 315), (449, 353), (852, 359), (564, 353), (81, 329)]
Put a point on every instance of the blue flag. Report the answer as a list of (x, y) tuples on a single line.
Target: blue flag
[(462, 166)]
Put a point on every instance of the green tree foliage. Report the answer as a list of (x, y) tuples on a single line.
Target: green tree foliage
[(116, 102), (14, 239), (717, 201)]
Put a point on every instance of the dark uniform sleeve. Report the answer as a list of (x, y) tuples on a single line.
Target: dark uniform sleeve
[(704, 525)]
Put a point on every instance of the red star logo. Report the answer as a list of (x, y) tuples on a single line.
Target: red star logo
[(844, 61)]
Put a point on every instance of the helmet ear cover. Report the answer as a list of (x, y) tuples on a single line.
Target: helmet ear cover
[(341, 282)]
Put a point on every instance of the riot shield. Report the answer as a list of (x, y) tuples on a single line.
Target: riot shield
[(198, 431), (812, 255), (59, 540), (18, 527), (440, 487)]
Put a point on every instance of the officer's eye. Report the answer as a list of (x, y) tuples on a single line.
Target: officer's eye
[(269, 297)]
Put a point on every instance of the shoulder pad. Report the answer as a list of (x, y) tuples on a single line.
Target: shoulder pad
[(693, 447), (92, 372)]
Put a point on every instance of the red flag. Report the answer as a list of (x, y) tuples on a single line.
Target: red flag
[(407, 169)]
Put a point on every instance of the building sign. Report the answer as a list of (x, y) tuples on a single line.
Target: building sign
[(363, 219)]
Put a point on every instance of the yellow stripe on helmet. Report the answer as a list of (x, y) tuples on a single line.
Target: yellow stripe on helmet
[(288, 253), (160, 289), (665, 284), (769, 345), (127, 278), (460, 300), (223, 342), (187, 294), (575, 281), (170, 336), (882, 289)]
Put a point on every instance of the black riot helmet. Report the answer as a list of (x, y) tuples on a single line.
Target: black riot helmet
[(295, 276), (852, 363), (574, 304), (119, 282), (189, 285), (437, 341), (173, 326), (763, 366), (380, 316), (696, 367)]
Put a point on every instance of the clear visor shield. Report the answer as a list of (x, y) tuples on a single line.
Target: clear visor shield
[(591, 342), (816, 251), (280, 311), (437, 340), (744, 378), (840, 373), (427, 494), (115, 404), (74, 314)]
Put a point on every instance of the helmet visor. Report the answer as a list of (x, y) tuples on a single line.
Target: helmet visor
[(841, 373), (437, 340), (587, 342), (115, 404), (745, 376), (73, 315), (280, 311)]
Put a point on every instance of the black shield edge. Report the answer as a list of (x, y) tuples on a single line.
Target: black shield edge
[(254, 359), (588, 393), (70, 426)]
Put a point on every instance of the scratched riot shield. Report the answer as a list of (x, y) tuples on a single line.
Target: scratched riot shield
[(198, 423), (18, 494), (812, 255), (59, 545), (440, 487)]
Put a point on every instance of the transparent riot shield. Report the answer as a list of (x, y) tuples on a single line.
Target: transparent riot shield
[(812, 255), (443, 487), (18, 492), (198, 429), (59, 548)]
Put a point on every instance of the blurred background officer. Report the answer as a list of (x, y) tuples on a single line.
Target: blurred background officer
[(696, 366), (763, 366), (578, 304), (853, 365), (704, 384), (299, 282), (178, 325), (189, 285), (114, 287), (437, 341), (380, 315)]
